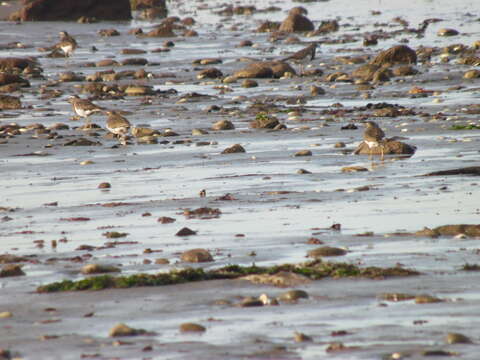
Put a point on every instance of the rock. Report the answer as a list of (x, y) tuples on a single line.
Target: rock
[(196, 256), (301, 337), (11, 270), (185, 232), (71, 10), (237, 148), (98, 269), (139, 132), (223, 125), (161, 31), (70, 76), (470, 170), (326, 251), (82, 142), (280, 279), (8, 102), (303, 153), (293, 295), (210, 73), (5, 315), (249, 83), (10, 63), (108, 32), (132, 51), (390, 147), (456, 338), (268, 26), (404, 70), (121, 329), (447, 32), (139, 90), (264, 69), (296, 23), (426, 299), (6, 79), (472, 74), (251, 302), (400, 54), (166, 220), (348, 169), (452, 230), (263, 121), (134, 61), (104, 185), (192, 327), (316, 90), (326, 27), (371, 72)]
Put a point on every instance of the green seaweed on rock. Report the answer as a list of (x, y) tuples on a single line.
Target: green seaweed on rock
[(313, 270)]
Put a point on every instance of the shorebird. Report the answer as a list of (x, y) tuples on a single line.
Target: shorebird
[(118, 126), (374, 137), (67, 43), (304, 53), (84, 108)]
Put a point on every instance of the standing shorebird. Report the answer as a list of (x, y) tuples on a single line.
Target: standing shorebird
[(118, 126), (67, 43), (374, 137), (84, 108), (309, 51)]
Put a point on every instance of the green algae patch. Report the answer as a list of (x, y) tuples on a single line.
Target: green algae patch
[(465, 127), (314, 270)]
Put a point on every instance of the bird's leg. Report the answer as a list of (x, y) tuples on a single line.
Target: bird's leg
[(383, 151)]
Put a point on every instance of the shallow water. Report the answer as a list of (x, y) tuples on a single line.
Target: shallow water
[(276, 208)]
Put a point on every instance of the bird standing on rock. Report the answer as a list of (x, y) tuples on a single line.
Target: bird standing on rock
[(67, 43), (374, 137), (309, 51), (84, 108), (118, 125)]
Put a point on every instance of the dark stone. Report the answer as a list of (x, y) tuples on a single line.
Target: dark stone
[(71, 10)]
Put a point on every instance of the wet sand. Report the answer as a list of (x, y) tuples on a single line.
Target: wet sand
[(274, 207)]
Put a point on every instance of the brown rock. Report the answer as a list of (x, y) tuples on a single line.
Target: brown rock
[(400, 54), (9, 63), (166, 220), (404, 70), (192, 327), (133, 51), (11, 270), (237, 148), (134, 61), (456, 338), (108, 32), (8, 102), (263, 121), (185, 232), (472, 74), (71, 10), (293, 295), (161, 31), (210, 73), (98, 269), (6, 79), (447, 32), (104, 185), (348, 169), (249, 83), (296, 23), (107, 62), (303, 153), (427, 299), (121, 329), (223, 125), (390, 147), (196, 256), (326, 251), (268, 26)]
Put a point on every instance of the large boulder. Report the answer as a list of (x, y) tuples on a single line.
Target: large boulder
[(390, 147), (296, 23), (65, 10)]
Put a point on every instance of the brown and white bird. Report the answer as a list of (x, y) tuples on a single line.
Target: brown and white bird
[(118, 125), (67, 43), (84, 108), (374, 137), (309, 51)]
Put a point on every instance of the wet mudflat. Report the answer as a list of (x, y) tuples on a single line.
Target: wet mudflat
[(269, 211)]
